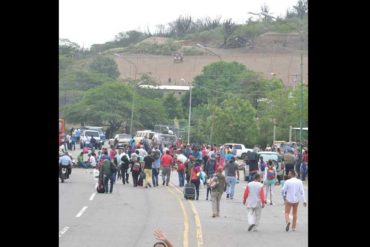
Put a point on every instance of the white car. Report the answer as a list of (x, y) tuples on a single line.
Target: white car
[(239, 150), (121, 139)]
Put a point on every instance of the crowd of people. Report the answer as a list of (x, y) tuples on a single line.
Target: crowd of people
[(212, 166)]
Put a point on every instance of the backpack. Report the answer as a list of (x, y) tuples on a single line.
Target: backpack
[(136, 167), (263, 166), (181, 167), (270, 174)]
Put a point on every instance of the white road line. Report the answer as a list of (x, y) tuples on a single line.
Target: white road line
[(81, 212), (64, 230), (92, 196)]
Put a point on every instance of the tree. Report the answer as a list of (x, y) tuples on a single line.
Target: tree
[(228, 29), (234, 121), (283, 105), (181, 26), (172, 106), (108, 104), (105, 65), (67, 47), (301, 8), (218, 80)]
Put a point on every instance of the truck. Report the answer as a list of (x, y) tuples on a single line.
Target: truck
[(239, 150)]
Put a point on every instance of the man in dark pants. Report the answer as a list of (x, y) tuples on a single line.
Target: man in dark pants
[(298, 163), (124, 167), (252, 161), (135, 169), (289, 161), (107, 175)]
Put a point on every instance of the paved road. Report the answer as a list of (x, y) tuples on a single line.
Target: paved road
[(129, 215)]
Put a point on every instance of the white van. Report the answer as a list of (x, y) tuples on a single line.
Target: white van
[(140, 134)]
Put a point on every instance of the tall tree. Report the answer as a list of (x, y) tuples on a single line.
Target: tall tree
[(172, 106), (105, 65), (301, 8), (228, 29), (234, 121)]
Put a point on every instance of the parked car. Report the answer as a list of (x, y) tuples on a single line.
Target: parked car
[(86, 136), (120, 139), (239, 150), (99, 129)]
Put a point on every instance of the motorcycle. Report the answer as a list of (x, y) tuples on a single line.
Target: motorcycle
[(63, 173)]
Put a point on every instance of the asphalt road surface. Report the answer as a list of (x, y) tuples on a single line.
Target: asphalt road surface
[(129, 216)]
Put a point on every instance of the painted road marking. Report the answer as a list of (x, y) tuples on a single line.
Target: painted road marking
[(81, 212), (186, 221), (92, 196), (199, 234), (64, 230), (198, 225)]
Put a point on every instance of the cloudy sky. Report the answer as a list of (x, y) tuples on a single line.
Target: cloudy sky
[(88, 22)]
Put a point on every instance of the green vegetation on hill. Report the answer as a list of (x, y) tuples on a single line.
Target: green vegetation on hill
[(230, 103)]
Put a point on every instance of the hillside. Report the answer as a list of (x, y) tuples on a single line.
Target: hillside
[(284, 64)]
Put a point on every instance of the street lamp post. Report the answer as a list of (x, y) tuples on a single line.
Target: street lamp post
[(190, 88), (219, 57), (301, 112)]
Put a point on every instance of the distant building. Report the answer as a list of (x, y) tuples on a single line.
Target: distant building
[(176, 90)]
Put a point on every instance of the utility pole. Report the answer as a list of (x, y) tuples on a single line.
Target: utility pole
[(301, 119)]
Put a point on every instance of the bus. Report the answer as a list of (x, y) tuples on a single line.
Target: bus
[(61, 130)]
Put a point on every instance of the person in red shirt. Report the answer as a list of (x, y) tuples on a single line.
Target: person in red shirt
[(195, 178), (166, 162)]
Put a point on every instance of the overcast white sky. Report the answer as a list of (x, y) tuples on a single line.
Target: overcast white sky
[(88, 22)]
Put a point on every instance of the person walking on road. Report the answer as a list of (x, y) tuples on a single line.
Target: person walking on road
[(289, 161), (124, 168), (255, 199), (166, 162), (231, 170), (135, 168), (107, 175), (195, 179), (189, 164), (269, 179), (156, 165), (181, 172), (148, 161), (304, 165), (292, 193), (210, 169), (217, 185)]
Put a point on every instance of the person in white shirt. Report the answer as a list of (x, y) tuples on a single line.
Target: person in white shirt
[(292, 193), (92, 160), (256, 201)]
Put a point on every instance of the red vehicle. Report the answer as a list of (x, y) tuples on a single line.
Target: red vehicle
[(61, 130)]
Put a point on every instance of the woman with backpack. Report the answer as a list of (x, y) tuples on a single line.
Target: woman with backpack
[(269, 179), (195, 179), (181, 172), (135, 169)]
